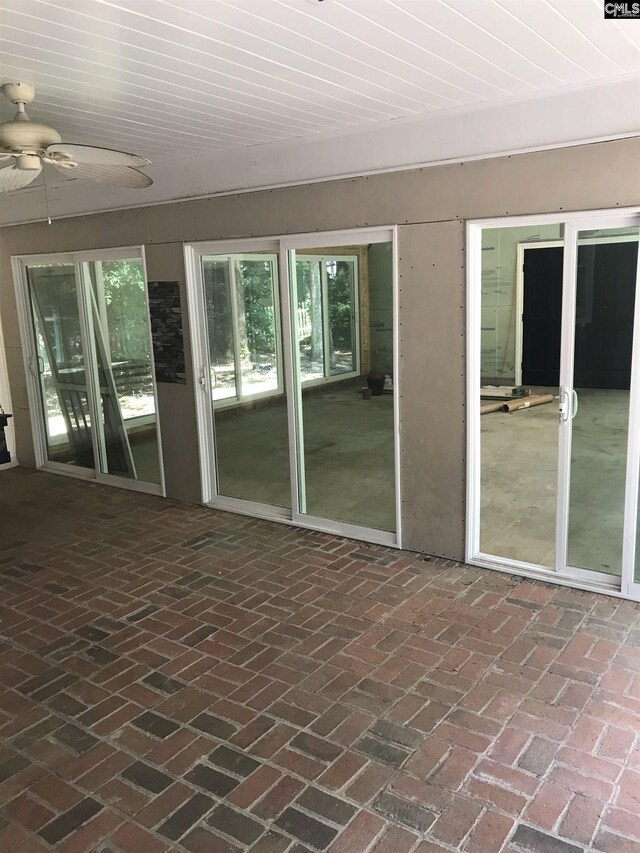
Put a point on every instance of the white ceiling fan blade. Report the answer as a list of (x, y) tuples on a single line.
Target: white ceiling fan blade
[(6, 155), (97, 156), (54, 161), (14, 179), (121, 176)]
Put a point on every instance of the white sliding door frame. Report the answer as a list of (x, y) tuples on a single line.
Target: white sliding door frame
[(30, 356), (561, 573), (194, 254), (630, 557), (294, 399), (5, 402), (573, 229), (290, 361), (320, 240)]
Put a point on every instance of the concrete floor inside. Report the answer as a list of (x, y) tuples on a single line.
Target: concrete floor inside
[(144, 450), (519, 480), (179, 680), (348, 457)]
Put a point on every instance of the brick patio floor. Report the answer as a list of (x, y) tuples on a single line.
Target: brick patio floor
[(175, 678)]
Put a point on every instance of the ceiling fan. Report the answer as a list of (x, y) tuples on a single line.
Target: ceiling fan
[(25, 145)]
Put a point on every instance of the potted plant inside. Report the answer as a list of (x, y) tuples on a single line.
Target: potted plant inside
[(375, 381)]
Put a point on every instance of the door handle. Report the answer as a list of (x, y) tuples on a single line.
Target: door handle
[(574, 404), (563, 408), (34, 365), (203, 378)]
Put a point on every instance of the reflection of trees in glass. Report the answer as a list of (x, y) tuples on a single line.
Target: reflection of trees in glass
[(339, 334), (125, 304), (240, 300), (311, 343), (57, 327), (218, 307), (119, 290), (340, 305), (254, 281), (126, 310), (254, 285), (54, 291)]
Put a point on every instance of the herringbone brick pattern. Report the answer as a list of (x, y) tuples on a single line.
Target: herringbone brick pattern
[(179, 679)]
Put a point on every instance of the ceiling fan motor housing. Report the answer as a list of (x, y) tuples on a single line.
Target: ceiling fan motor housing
[(28, 162), (18, 93), (27, 136)]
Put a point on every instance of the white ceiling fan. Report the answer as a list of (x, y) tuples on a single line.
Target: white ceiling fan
[(25, 145)]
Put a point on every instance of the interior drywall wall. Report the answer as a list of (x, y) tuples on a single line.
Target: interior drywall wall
[(586, 177), (380, 263), (432, 386), (580, 178), (176, 403)]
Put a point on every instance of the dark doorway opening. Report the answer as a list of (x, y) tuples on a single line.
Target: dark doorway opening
[(542, 316), (605, 299)]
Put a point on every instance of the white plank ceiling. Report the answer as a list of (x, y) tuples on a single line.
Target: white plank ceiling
[(177, 78)]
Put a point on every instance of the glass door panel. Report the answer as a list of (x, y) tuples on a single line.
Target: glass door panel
[(520, 334), (345, 441), (249, 404), (310, 319), (61, 363), (257, 324), (119, 335), (598, 407), (222, 358), (342, 277)]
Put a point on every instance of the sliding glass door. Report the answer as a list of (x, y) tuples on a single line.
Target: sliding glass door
[(520, 309), (247, 420), (288, 333), (596, 395), (601, 266), (345, 443), (60, 364), (85, 327), (554, 444), (128, 443)]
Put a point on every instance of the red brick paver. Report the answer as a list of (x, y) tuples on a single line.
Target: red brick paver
[(174, 678)]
